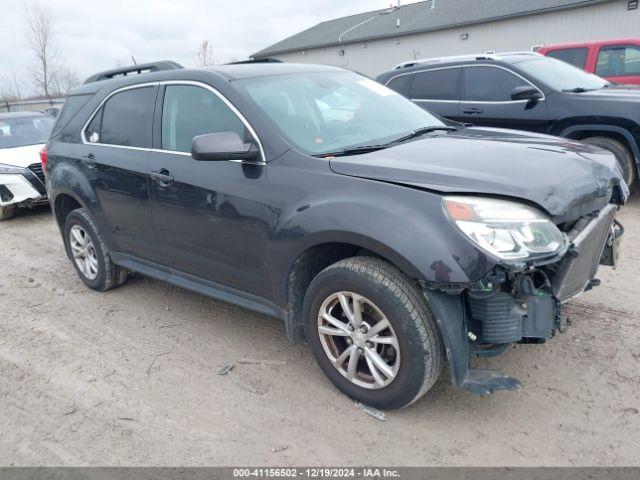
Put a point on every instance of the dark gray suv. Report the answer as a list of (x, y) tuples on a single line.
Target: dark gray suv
[(391, 240)]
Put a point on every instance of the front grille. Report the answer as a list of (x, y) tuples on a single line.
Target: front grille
[(36, 168), (5, 194), (580, 264), (35, 175)]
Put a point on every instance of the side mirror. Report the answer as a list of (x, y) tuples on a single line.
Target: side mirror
[(526, 93), (223, 146)]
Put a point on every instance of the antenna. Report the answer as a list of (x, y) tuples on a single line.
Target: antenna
[(134, 60)]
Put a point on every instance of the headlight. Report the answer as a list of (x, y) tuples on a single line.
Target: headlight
[(507, 230), (10, 169)]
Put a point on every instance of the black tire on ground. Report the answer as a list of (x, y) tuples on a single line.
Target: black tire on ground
[(109, 275), (7, 212), (624, 157), (400, 300)]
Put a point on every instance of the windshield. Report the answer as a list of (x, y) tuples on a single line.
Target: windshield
[(27, 130), (560, 75), (328, 112)]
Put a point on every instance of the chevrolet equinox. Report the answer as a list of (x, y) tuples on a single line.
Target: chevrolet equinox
[(393, 241)]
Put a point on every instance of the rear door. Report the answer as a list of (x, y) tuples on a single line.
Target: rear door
[(487, 100), (210, 216), (114, 156), (437, 90)]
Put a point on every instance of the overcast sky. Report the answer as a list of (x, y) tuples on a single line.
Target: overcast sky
[(97, 35)]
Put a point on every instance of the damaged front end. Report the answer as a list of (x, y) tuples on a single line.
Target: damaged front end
[(520, 303)]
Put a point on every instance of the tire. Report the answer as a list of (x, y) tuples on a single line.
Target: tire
[(623, 156), (8, 212), (107, 274), (382, 291)]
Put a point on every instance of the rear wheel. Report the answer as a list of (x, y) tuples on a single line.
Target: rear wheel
[(372, 332), (7, 212), (623, 156), (88, 253)]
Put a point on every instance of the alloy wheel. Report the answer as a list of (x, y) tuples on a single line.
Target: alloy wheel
[(359, 340), (83, 252)]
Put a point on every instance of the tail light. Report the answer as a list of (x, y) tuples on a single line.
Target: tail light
[(44, 157)]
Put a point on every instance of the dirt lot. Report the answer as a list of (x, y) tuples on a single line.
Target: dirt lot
[(129, 377)]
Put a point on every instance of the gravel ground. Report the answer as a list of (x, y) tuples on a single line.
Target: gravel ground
[(128, 377)]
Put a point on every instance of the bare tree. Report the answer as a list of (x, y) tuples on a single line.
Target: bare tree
[(15, 81), (11, 81), (64, 80), (39, 32), (205, 57)]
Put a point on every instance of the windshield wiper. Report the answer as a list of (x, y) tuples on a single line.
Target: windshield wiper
[(578, 90), (422, 131), (354, 150), (372, 148)]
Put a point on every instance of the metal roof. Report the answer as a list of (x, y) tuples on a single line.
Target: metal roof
[(414, 18)]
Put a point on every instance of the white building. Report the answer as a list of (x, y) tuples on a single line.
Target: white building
[(376, 41)]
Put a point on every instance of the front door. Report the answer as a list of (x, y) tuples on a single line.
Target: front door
[(210, 216), (487, 100), (115, 155)]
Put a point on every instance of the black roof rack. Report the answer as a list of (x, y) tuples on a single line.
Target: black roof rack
[(136, 69), (256, 60)]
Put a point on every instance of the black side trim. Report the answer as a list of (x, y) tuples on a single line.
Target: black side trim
[(198, 285), (450, 317)]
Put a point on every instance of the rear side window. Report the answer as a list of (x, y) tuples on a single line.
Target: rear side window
[(575, 56), (401, 84), (490, 84), (618, 61), (189, 111), (71, 107), (436, 85), (125, 119)]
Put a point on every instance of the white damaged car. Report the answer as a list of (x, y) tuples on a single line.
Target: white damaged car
[(22, 184)]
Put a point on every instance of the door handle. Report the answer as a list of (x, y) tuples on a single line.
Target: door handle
[(89, 160), (162, 176), (473, 111)]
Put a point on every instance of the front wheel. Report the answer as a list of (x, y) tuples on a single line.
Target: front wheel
[(372, 332), (625, 159)]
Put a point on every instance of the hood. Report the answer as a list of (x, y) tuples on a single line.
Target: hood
[(564, 177), (21, 156)]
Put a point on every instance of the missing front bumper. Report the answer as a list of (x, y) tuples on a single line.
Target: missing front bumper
[(520, 307)]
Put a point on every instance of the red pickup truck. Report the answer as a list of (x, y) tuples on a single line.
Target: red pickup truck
[(616, 60)]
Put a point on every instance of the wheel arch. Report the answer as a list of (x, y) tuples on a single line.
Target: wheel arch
[(580, 132), (324, 251), (64, 203)]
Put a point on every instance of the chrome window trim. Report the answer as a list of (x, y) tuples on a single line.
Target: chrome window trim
[(470, 101), (104, 100), (422, 71), (206, 86), (228, 103), (489, 102)]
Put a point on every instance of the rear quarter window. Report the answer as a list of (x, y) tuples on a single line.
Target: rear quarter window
[(401, 84), (70, 109)]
